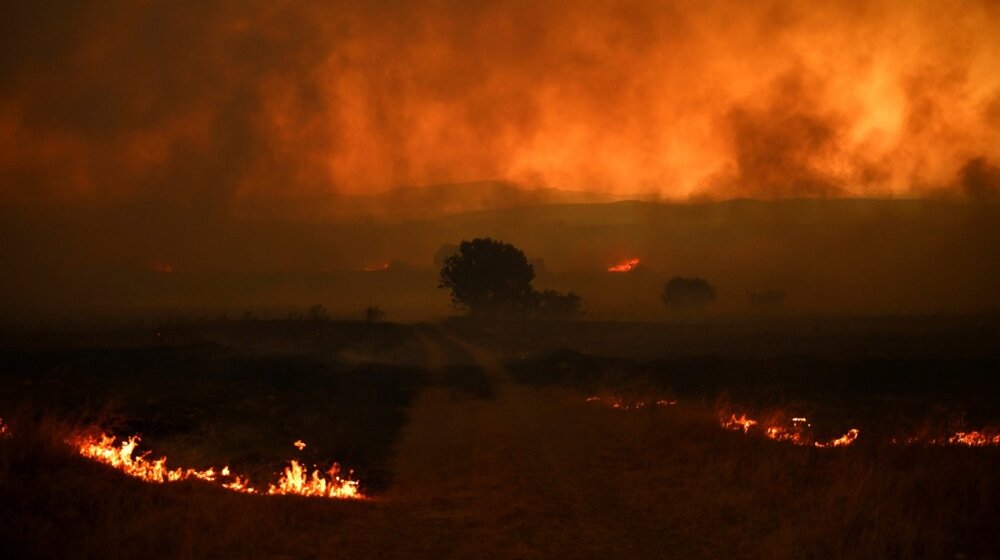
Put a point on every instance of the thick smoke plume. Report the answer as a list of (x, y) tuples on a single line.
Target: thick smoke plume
[(211, 105)]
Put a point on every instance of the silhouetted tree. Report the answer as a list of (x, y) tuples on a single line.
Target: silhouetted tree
[(318, 313), (488, 277), (442, 254), (556, 305), (687, 293), (373, 313)]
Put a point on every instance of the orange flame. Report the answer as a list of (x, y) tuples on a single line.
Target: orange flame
[(381, 267), (103, 450), (293, 481), (974, 439), (299, 444), (844, 440), (741, 423), (796, 435), (4, 432), (625, 266), (297, 480)]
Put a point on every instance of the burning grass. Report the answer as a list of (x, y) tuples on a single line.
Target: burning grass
[(974, 438), (296, 479), (799, 431)]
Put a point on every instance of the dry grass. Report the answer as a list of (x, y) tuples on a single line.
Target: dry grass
[(532, 472), (535, 473)]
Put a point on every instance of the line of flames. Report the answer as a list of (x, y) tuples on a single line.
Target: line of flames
[(798, 434), (296, 479), (974, 438)]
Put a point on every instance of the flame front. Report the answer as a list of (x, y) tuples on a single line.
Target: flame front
[(293, 481), (625, 266), (103, 450), (797, 434), (297, 480)]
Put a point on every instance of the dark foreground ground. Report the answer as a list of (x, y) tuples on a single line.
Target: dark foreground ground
[(476, 440)]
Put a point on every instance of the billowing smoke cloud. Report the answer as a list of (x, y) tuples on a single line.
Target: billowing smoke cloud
[(203, 105)]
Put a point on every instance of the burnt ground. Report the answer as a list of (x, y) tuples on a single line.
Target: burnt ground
[(475, 441)]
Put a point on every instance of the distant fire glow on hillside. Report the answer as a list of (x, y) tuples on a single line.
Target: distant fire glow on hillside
[(380, 267), (625, 266)]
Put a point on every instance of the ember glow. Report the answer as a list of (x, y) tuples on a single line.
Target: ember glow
[(161, 267), (619, 403), (625, 266), (380, 267), (294, 480), (973, 438)]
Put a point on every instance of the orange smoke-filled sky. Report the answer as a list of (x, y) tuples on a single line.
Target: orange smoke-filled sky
[(206, 104)]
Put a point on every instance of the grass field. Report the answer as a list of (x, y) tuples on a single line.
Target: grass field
[(476, 440)]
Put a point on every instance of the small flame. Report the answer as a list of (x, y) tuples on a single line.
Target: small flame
[(381, 267), (293, 480), (741, 423), (299, 444), (625, 266), (844, 440), (4, 432)]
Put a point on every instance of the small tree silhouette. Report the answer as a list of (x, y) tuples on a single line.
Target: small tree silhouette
[(318, 313), (556, 305), (687, 294), (373, 314), (488, 277)]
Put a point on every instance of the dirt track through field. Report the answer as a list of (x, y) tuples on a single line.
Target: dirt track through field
[(511, 476)]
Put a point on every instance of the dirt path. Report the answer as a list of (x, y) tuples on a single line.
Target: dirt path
[(511, 476)]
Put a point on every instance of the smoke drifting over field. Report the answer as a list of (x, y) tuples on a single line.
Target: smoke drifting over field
[(229, 105)]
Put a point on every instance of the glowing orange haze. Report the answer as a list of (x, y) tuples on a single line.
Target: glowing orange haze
[(662, 99)]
